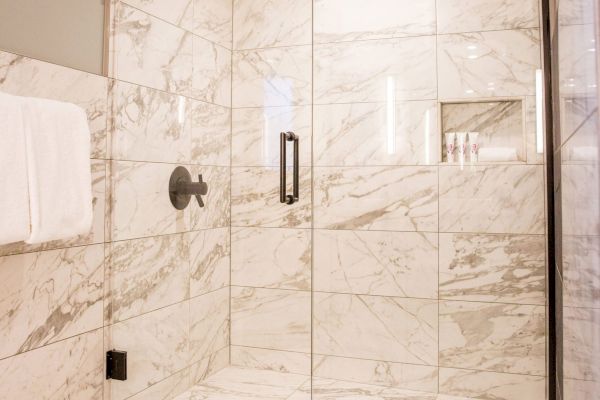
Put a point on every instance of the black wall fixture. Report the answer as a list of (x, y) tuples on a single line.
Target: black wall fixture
[(182, 188), (116, 365), (283, 196)]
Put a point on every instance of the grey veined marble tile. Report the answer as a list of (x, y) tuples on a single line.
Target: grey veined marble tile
[(493, 268), (209, 260), (456, 16), (493, 337), (376, 198), (269, 23), (49, 296), (348, 20), (400, 264), (492, 199)]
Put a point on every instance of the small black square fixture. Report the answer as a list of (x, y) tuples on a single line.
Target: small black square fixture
[(116, 365)]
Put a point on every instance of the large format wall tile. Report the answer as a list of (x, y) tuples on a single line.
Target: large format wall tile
[(177, 12), (493, 337), (274, 360), (491, 385), (256, 135), (255, 199), (271, 318), (579, 199), (211, 80), (376, 198), (147, 274), (492, 199), (213, 20), (271, 23), (216, 210), (486, 64), (382, 373), (457, 16), (209, 260), (348, 20), (141, 205), (22, 76), (70, 369), (49, 296), (271, 258), (150, 52), (157, 346), (211, 134), (209, 366), (376, 263), (581, 277), (405, 134), (493, 268), (149, 125), (379, 70), (209, 324), (581, 343), (272, 77), (376, 328), (166, 389)]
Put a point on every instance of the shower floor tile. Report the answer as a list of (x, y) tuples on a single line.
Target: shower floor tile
[(235, 383)]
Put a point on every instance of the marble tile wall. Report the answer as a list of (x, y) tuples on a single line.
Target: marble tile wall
[(424, 276), (146, 279), (168, 271)]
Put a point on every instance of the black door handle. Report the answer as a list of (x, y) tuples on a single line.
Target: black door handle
[(285, 137)]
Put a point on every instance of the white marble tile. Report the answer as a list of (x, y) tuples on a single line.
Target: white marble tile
[(141, 205), (403, 264), (177, 12), (271, 318), (491, 385), (149, 125), (380, 373), (574, 389), (493, 337), (236, 383), (329, 389), (580, 213), (213, 20), (493, 268), (272, 77), (150, 52), (458, 16), (405, 134), (49, 296), (376, 198), (581, 343), (256, 134), (22, 76), (271, 23), (579, 124), (349, 20), (211, 134), (488, 64), (209, 324), (211, 79), (255, 199), (271, 258), (499, 124), (209, 260), (157, 346), (492, 199), (578, 61), (209, 366), (216, 210), (273, 360), (378, 70), (166, 389), (52, 373), (580, 272), (376, 328), (96, 234), (574, 12), (146, 274)]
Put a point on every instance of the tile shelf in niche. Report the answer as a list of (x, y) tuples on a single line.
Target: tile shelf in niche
[(499, 122)]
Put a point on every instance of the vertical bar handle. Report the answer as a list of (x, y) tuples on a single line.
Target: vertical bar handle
[(285, 137)]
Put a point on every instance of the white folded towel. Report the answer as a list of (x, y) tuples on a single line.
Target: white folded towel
[(59, 171), (14, 201)]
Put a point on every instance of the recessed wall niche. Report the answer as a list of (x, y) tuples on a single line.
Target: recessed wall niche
[(500, 124)]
